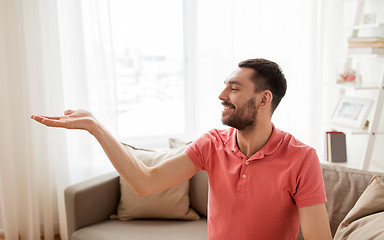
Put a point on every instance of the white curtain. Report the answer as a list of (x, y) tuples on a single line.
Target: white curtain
[(33, 167), (45, 68), (88, 79)]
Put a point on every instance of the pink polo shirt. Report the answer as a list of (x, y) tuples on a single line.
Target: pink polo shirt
[(257, 197)]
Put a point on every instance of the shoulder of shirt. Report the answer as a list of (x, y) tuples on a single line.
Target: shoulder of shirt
[(222, 134), (294, 143)]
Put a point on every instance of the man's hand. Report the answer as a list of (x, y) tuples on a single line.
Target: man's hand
[(79, 119)]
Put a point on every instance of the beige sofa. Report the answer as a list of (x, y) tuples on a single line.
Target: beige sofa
[(90, 204)]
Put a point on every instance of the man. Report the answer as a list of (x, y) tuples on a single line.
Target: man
[(263, 182)]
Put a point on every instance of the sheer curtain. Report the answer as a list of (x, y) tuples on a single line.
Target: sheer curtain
[(46, 67), (33, 167), (88, 79)]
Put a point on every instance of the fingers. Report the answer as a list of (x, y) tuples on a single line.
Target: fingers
[(50, 121), (54, 123), (68, 112), (53, 118), (35, 117)]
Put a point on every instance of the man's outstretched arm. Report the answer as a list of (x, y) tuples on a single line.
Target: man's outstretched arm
[(143, 180)]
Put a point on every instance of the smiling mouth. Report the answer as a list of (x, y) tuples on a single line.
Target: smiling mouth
[(227, 107)]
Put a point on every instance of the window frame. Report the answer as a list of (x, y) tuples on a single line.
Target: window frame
[(189, 70)]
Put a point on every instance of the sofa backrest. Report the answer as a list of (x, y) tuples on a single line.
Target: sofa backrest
[(343, 187), (198, 193)]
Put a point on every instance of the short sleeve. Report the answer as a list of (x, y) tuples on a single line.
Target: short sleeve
[(310, 185), (199, 150)]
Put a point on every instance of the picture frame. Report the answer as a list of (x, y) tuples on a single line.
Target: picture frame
[(351, 111)]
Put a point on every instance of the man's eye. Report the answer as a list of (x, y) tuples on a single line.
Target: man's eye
[(234, 89)]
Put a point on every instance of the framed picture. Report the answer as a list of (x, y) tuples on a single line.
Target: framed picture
[(351, 111)]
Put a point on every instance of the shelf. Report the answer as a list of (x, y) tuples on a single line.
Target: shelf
[(348, 164), (348, 86), (350, 130), (370, 55), (368, 26), (374, 167)]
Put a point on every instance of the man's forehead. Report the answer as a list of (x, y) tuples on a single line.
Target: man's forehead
[(239, 75)]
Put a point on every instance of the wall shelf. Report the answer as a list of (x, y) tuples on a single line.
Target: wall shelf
[(356, 87), (350, 130), (371, 132), (368, 26)]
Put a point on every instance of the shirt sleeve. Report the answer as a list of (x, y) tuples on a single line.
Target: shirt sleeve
[(310, 185), (198, 151)]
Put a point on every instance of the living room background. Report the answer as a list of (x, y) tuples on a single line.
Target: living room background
[(60, 54)]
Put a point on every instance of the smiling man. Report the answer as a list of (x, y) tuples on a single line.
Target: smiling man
[(263, 183)]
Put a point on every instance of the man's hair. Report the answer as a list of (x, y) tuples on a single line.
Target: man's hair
[(268, 76)]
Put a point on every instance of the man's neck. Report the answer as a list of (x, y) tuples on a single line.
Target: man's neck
[(250, 141)]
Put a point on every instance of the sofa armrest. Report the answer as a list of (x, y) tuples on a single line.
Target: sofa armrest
[(91, 201)]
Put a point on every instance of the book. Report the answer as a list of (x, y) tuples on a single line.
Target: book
[(370, 50), (366, 45), (365, 39), (336, 147)]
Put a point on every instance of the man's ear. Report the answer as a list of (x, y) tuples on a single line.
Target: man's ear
[(265, 98)]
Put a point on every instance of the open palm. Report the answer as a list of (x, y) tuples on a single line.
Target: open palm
[(72, 119)]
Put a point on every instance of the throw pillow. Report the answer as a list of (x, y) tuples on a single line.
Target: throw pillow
[(177, 142), (198, 192), (172, 203), (366, 218)]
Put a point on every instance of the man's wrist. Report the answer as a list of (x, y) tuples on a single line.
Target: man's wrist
[(95, 129)]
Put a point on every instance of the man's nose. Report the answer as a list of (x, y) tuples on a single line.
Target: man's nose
[(223, 95)]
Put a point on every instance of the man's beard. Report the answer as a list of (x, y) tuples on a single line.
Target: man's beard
[(243, 117)]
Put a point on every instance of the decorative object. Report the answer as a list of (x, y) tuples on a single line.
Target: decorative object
[(348, 76), (351, 111), (369, 18)]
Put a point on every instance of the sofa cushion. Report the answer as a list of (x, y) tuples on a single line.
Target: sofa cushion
[(172, 203), (144, 229), (366, 219), (198, 192), (343, 187)]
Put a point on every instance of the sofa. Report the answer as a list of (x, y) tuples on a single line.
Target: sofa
[(91, 205)]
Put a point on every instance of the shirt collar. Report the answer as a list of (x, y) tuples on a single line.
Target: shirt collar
[(270, 147)]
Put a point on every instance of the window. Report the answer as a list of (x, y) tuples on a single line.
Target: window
[(150, 67)]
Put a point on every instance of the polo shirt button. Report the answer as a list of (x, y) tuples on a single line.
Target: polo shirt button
[(247, 162), (244, 176)]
